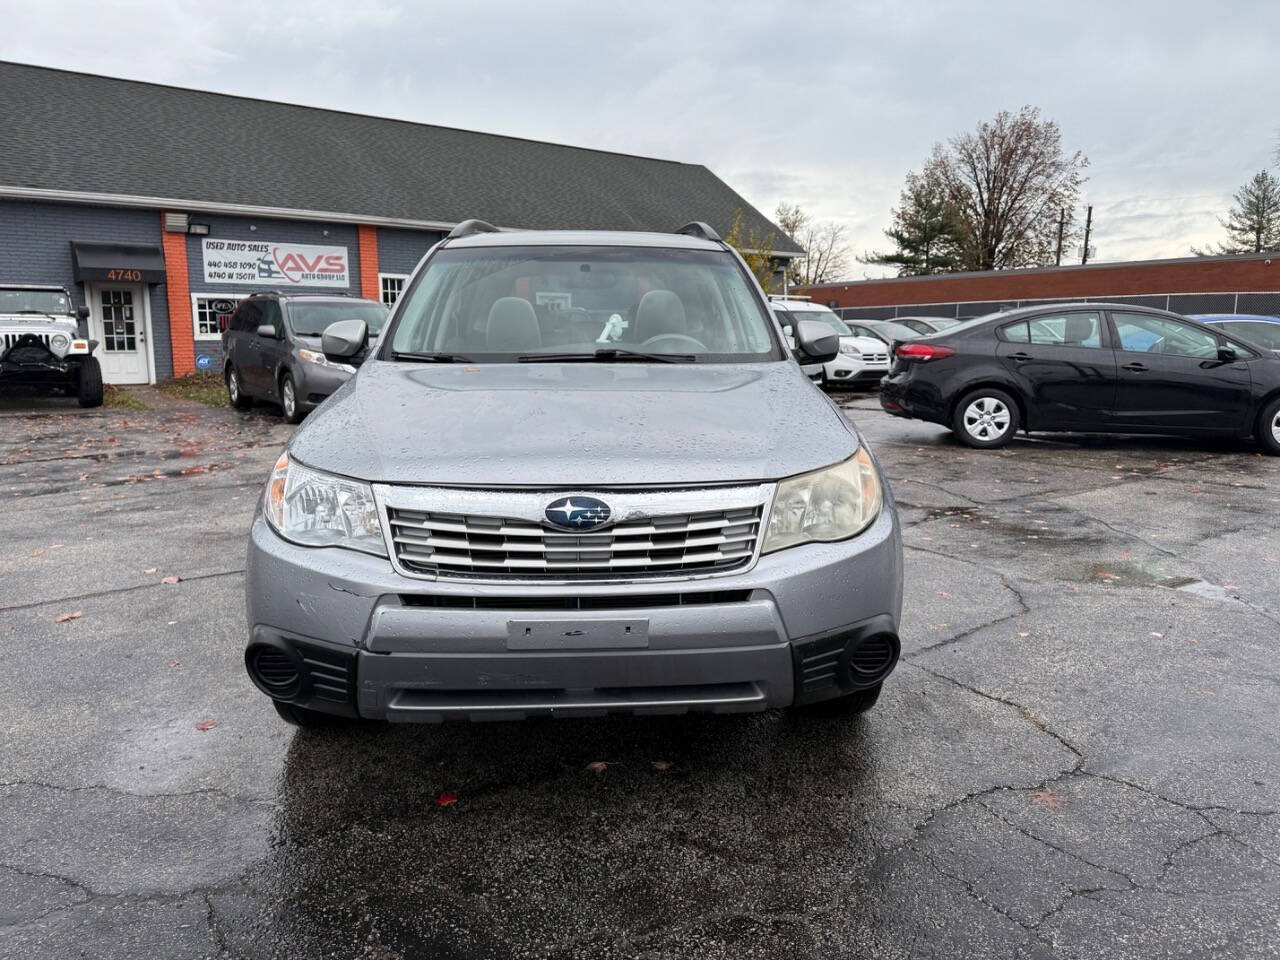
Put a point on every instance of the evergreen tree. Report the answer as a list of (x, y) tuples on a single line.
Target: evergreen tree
[(925, 232), (1253, 222)]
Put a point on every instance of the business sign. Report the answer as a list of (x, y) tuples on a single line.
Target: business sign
[(204, 361), (268, 264)]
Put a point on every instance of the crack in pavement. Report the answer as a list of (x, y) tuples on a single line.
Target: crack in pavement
[(965, 634), (118, 590), (118, 791)]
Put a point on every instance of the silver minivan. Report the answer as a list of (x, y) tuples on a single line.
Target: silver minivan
[(579, 473)]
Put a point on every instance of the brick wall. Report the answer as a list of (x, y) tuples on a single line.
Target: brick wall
[(35, 247), (1201, 275)]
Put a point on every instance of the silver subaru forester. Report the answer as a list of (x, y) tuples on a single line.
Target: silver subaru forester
[(580, 473)]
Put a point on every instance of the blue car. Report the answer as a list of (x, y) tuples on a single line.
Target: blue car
[(1264, 331)]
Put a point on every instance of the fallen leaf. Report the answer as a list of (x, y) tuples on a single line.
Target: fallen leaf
[(1023, 633), (171, 580), (597, 766), (1156, 635), (174, 663), (1047, 798), (206, 725), (64, 617), (36, 553), (943, 593), (447, 798), (660, 765), (151, 570)]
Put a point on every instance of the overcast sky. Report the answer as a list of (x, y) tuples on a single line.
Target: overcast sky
[(822, 104)]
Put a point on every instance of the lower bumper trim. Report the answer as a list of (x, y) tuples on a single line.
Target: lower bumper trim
[(428, 705)]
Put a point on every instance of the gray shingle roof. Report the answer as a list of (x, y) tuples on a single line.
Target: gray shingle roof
[(77, 132)]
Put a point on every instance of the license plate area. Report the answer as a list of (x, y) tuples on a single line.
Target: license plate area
[(577, 634)]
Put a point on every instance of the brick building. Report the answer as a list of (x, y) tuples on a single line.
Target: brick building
[(158, 207), (1248, 283)]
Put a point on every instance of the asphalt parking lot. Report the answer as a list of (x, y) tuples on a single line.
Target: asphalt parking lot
[(1079, 755)]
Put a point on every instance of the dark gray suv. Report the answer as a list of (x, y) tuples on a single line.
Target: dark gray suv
[(271, 349)]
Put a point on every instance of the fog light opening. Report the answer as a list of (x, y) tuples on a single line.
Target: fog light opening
[(273, 671), (874, 657)]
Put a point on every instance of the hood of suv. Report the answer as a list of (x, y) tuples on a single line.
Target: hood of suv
[(574, 424)]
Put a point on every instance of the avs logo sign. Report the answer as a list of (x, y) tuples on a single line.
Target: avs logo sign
[(578, 513), (268, 264)]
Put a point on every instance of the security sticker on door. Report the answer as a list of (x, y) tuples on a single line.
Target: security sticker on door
[(576, 634)]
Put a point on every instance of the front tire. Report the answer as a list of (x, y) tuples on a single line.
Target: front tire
[(1268, 428), (235, 391), (89, 383), (289, 400), (985, 418)]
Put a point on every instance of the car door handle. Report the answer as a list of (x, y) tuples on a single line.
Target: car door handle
[(1021, 357), (1135, 367)]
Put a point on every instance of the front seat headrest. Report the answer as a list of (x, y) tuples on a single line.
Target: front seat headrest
[(512, 326)]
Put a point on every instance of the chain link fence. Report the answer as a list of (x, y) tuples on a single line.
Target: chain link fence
[(1266, 304)]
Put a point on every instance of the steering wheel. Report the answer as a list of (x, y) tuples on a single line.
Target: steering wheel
[(677, 339)]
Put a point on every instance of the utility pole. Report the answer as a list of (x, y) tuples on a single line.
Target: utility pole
[(1062, 225), (1088, 227)]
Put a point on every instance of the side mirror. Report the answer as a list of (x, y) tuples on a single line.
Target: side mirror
[(344, 339), (816, 342), (82, 313), (267, 330), (1227, 355)]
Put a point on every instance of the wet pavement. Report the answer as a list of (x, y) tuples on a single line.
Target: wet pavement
[(1078, 756)]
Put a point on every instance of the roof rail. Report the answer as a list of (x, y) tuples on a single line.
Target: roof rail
[(698, 228), (469, 227), (787, 296)]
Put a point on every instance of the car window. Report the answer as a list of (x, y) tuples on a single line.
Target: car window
[(785, 319), (824, 316), (896, 331), (1016, 332), (1059, 329), (310, 318), (250, 312), (499, 304), (916, 325), (860, 331), (271, 314), (1256, 331), (1146, 333)]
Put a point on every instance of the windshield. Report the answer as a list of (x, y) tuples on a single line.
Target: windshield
[(896, 331), (824, 316), (34, 301), (309, 318), (499, 304)]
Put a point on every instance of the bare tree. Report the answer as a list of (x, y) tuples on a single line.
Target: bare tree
[(1253, 222), (826, 252), (1008, 182)]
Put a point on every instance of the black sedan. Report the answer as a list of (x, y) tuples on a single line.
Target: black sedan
[(1089, 368)]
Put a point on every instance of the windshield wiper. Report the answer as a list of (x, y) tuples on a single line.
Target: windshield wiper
[(430, 357), (607, 353)]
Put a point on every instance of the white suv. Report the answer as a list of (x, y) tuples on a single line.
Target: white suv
[(861, 359)]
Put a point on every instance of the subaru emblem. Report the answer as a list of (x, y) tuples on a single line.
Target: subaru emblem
[(578, 513)]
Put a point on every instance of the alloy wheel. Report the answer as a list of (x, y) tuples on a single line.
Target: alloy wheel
[(288, 400), (233, 386), (986, 418), (1275, 426)]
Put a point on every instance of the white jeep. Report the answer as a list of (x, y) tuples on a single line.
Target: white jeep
[(41, 345)]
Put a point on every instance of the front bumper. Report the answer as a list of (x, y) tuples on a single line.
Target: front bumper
[(316, 383), (364, 641), (848, 369)]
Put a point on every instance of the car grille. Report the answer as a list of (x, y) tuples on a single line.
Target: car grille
[(461, 545), (875, 358), (10, 340)]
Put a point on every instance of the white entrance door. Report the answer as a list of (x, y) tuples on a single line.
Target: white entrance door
[(120, 327)]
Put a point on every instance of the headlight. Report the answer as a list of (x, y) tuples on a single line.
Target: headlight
[(830, 504), (320, 360), (851, 349), (59, 341), (322, 510)]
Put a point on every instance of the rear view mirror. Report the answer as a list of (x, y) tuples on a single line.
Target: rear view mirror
[(1228, 354), (816, 342), (267, 330), (344, 339), (82, 313)]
